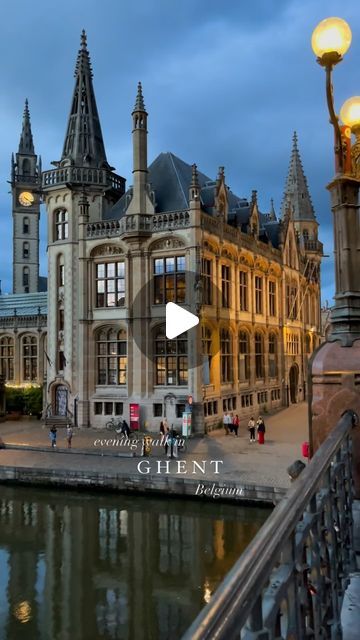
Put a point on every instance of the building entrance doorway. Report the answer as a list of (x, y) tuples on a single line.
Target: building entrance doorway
[(61, 400), (293, 382)]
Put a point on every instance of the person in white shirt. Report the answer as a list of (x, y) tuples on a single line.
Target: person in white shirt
[(251, 428), (227, 421)]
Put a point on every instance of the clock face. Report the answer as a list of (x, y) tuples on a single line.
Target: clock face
[(26, 198)]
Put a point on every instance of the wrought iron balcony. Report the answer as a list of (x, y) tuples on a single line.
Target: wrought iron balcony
[(290, 581)]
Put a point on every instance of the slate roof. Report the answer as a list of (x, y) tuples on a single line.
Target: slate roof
[(170, 177), (25, 304)]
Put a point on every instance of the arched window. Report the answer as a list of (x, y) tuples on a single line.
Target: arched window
[(244, 356), (26, 250), (111, 350), (61, 224), (306, 234), (272, 355), (7, 357), (226, 356), (29, 357), (26, 225), (207, 354), (259, 356), (307, 343), (171, 360)]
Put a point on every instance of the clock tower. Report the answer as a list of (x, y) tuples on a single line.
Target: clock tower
[(25, 186)]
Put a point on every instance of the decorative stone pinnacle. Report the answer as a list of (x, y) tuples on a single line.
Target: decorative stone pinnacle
[(139, 102), (194, 176), (83, 40)]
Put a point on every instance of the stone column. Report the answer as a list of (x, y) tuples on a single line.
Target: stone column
[(83, 344), (334, 369)]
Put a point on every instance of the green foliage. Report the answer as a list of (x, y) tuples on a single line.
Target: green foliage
[(24, 400)]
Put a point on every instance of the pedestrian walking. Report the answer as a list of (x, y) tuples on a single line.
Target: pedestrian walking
[(52, 436), (227, 422), (251, 429), (261, 430), (125, 429), (236, 424), (69, 435)]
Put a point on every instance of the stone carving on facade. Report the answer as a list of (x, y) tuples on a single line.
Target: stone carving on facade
[(106, 250), (167, 243), (355, 158)]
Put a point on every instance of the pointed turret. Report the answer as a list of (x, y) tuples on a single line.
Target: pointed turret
[(26, 144), (272, 214), (194, 190), (296, 189), (84, 145)]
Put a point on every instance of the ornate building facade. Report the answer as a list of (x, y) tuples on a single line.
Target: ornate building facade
[(116, 256)]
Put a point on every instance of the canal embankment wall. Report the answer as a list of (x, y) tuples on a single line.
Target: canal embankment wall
[(164, 485)]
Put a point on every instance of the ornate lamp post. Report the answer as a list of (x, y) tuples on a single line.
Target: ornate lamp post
[(335, 366)]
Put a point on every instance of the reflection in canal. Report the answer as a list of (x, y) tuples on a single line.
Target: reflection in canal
[(75, 566)]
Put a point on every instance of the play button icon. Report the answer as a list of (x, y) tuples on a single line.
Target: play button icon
[(178, 320)]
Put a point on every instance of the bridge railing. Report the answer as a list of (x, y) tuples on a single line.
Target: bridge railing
[(290, 581)]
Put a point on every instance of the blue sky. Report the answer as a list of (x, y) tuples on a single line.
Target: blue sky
[(224, 84)]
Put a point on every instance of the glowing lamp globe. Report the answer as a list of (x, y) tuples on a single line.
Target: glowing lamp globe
[(332, 35), (350, 112)]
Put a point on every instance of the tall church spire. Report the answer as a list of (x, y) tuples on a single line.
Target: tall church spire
[(84, 145), (26, 144), (296, 193)]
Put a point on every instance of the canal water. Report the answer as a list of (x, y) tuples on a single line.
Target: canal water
[(79, 566)]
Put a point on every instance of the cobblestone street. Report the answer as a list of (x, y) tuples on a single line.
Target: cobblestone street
[(244, 462)]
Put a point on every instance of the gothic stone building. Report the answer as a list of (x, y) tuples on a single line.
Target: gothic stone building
[(117, 255)]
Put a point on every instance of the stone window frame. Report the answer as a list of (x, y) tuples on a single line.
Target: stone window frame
[(113, 284), (111, 357), (61, 222), (7, 357), (169, 276), (170, 359), (29, 358)]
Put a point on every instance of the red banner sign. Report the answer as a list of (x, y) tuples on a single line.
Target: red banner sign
[(134, 416)]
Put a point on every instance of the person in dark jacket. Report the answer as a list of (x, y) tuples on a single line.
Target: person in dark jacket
[(261, 430)]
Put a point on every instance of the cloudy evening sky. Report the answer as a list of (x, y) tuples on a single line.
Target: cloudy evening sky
[(225, 83)]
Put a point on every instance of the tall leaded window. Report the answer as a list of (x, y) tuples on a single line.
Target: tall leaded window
[(29, 355), (207, 353), (26, 250), (61, 224), (243, 283), (244, 356), (258, 294), (225, 285), (225, 356), (110, 284), (169, 280), (259, 356), (272, 298), (206, 269), (171, 360), (111, 353), (26, 225), (7, 357), (26, 276), (272, 355)]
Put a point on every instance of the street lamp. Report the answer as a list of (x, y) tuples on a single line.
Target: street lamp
[(335, 366), (330, 41)]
